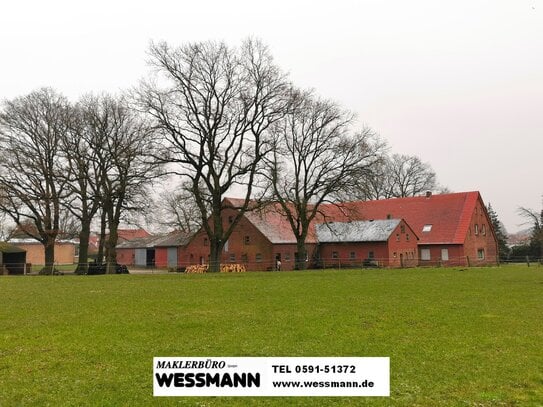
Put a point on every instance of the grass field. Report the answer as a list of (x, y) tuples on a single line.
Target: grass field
[(471, 337)]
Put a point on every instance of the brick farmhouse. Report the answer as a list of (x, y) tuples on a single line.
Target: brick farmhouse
[(446, 229)]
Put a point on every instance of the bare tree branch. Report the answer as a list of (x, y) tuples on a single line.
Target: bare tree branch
[(214, 105)]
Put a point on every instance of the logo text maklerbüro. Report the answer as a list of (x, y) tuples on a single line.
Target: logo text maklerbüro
[(203, 379)]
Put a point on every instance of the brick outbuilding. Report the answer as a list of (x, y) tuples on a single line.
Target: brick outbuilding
[(169, 249), (386, 242)]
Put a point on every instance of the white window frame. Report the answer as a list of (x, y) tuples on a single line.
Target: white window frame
[(445, 254), (425, 254)]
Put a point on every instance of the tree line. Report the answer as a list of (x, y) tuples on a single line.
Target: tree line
[(213, 118)]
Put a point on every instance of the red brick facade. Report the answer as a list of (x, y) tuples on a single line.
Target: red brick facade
[(247, 245), (449, 230), (400, 250)]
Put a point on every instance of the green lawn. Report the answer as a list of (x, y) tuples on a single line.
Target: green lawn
[(459, 337)]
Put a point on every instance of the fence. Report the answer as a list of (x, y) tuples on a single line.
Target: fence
[(272, 265)]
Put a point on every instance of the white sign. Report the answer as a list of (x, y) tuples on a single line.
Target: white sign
[(271, 376)]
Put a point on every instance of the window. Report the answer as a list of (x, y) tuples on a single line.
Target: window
[(287, 256), (258, 257), (397, 237), (232, 258), (352, 255), (247, 239), (445, 254), (425, 254), (476, 229), (483, 230), (481, 254), (334, 255), (230, 219), (427, 228), (371, 255), (402, 229), (244, 258), (407, 237), (206, 242)]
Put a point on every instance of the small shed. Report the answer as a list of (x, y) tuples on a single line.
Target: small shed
[(12, 259), (167, 249), (138, 252)]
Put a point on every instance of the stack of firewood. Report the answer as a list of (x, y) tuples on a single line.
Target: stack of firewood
[(233, 268), (197, 269)]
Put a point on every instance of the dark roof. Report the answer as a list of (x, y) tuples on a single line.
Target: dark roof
[(9, 248), (140, 242), (173, 239)]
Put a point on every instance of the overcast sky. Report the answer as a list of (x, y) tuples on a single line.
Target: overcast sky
[(458, 83)]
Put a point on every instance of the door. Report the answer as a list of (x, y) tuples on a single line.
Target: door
[(172, 256), (140, 257), (445, 254)]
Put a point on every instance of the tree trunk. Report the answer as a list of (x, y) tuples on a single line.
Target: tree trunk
[(111, 251), (102, 241), (215, 251), (83, 262), (49, 249), (301, 254)]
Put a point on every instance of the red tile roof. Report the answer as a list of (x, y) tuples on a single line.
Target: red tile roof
[(271, 222), (449, 215), (130, 234)]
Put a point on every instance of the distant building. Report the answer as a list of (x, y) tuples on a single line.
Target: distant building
[(66, 251), (66, 247), (169, 249), (12, 259)]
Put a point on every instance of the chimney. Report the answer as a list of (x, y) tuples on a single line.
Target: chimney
[(428, 194)]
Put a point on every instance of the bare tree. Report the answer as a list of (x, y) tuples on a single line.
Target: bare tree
[(317, 158), (30, 164), (85, 163), (375, 185), (410, 176), (536, 220), (177, 210), (214, 109), (397, 176), (126, 142)]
